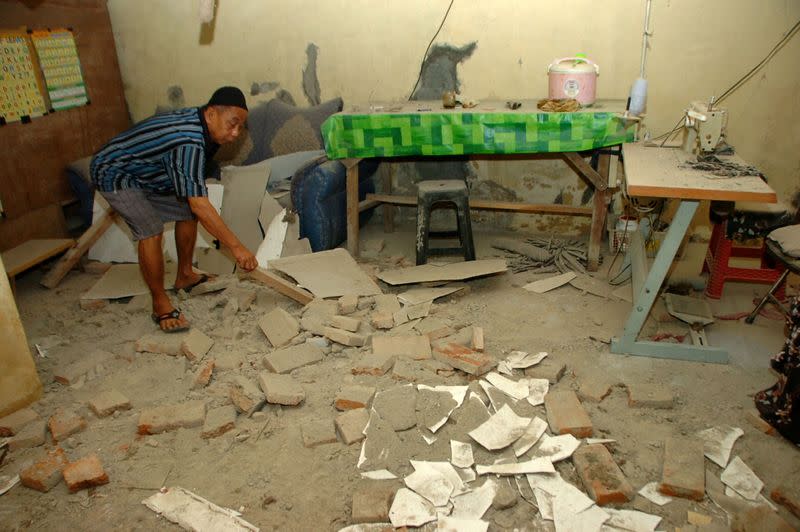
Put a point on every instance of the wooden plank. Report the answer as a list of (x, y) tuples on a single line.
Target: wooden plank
[(33, 252), (492, 205), (352, 210), (585, 170), (657, 173), (71, 257), (600, 202), (388, 209), (281, 285)]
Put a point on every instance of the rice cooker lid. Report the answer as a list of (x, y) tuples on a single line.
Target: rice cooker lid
[(572, 66)]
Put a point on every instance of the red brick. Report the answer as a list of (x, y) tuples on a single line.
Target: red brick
[(594, 389), (171, 417), (683, 473), (65, 423), (477, 339), (355, 396), (350, 425), (13, 423), (407, 345), (566, 415), (348, 304), (109, 402), (601, 476), (33, 435), (788, 498), (196, 345), (203, 374), (45, 474), (373, 364), (219, 421), (382, 320), (87, 472), (464, 358), (345, 322), (649, 396), (245, 395), (343, 337)]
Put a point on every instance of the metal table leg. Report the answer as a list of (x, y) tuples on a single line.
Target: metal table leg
[(646, 285)]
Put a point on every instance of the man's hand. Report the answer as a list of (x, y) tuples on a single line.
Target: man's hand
[(245, 259)]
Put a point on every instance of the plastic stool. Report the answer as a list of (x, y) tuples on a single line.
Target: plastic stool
[(720, 251), (431, 193)]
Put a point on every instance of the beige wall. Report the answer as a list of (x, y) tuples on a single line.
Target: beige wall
[(370, 50)]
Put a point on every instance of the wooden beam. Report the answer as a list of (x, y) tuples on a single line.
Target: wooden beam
[(32, 252), (585, 170), (352, 210), (490, 205), (73, 255), (280, 285), (599, 211)]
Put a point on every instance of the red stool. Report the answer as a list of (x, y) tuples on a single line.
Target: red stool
[(721, 250)]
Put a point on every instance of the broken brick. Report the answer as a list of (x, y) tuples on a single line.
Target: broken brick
[(549, 369), (373, 364), (434, 328), (170, 417), (354, 396), (13, 423), (464, 358), (419, 311), (347, 304), (196, 345), (160, 343), (218, 421), (290, 358), (601, 476), (406, 345), (566, 415), (65, 423), (345, 322), (318, 432), (245, 395), (45, 474), (406, 369), (345, 337), (281, 389), (371, 503), (649, 396), (203, 374), (477, 339), (279, 327), (382, 320), (32, 435), (788, 498), (109, 402), (387, 303), (350, 425), (683, 472), (87, 472), (594, 389)]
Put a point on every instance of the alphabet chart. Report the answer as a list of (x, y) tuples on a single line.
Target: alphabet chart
[(20, 94), (58, 57)]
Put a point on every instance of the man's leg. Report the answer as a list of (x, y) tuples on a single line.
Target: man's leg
[(151, 263), (185, 238)]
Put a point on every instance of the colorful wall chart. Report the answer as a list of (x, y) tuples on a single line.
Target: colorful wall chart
[(20, 94), (58, 58)]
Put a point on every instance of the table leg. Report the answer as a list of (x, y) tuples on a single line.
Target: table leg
[(602, 197), (388, 208), (645, 296), (352, 210)]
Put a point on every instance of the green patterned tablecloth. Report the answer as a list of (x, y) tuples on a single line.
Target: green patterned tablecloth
[(486, 129)]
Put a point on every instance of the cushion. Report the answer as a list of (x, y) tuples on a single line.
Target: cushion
[(788, 238)]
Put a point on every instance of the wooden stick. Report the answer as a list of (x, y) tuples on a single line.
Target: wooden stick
[(484, 204), (281, 285), (73, 255)]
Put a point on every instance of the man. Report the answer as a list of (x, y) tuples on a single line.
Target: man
[(155, 173)]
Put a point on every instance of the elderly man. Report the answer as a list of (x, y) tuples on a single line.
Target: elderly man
[(155, 173)]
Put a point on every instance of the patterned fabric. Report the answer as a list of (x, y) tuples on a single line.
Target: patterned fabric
[(162, 154), (463, 133), (779, 405)]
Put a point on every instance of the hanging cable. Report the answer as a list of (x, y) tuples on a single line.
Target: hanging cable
[(425, 55)]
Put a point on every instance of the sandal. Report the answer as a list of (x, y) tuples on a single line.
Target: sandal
[(175, 314), (203, 279)]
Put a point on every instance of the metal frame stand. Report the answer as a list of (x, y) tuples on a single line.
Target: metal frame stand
[(646, 286)]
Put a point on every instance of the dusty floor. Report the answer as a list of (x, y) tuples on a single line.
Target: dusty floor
[(278, 484)]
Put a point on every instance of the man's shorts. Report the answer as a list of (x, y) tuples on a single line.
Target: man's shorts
[(146, 212)]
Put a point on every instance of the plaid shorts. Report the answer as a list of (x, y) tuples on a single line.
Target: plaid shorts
[(147, 212)]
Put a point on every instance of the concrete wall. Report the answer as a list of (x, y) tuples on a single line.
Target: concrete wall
[(370, 51)]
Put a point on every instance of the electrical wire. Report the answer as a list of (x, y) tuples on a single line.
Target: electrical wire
[(425, 55), (741, 81)]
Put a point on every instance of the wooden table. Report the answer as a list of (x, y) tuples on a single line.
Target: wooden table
[(656, 173), (423, 129)]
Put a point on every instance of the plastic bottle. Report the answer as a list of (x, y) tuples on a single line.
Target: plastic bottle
[(638, 97)]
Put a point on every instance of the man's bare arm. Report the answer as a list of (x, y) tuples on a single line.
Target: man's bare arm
[(211, 220)]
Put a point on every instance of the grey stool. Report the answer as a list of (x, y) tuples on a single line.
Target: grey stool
[(447, 191), (791, 264)]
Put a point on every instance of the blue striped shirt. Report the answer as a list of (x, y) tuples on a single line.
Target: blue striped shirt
[(164, 154)]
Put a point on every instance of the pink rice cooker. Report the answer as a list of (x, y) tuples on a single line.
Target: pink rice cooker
[(573, 77)]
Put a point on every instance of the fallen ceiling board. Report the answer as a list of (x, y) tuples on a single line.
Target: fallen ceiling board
[(125, 280), (417, 296), (33, 252), (545, 285), (245, 188), (457, 271), (331, 273)]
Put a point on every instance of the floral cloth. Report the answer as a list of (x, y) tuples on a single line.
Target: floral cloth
[(779, 405)]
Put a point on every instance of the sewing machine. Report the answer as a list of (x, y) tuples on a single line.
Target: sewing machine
[(704, 127)]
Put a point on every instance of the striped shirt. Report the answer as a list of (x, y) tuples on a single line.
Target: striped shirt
[(164, 154)]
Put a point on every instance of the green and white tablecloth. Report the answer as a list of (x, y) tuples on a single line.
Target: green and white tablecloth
[(412, 130)]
